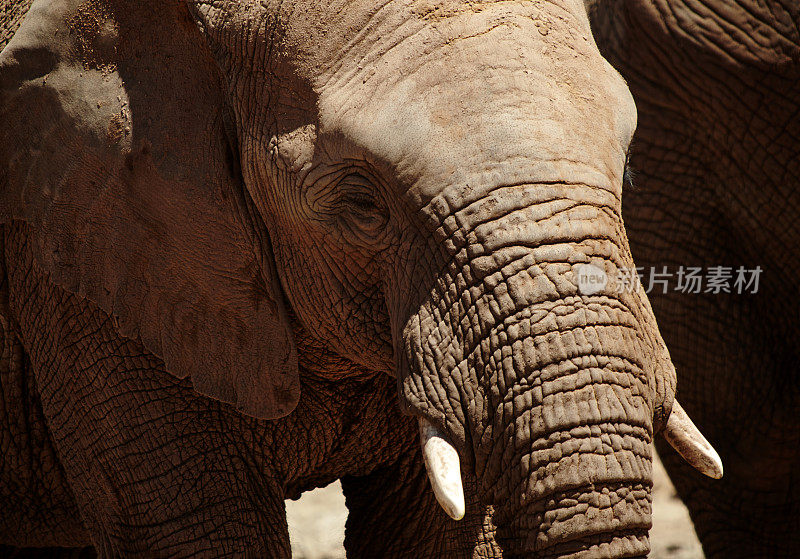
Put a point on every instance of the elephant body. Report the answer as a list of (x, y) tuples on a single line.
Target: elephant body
[(195, 471), (250, 247), (717, 86)]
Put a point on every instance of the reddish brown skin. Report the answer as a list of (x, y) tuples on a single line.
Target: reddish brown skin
[(717, 86), (248, 244), (201, 456)]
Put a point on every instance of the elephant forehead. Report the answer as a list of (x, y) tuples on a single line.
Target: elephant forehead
[(496, 86), (436, 131)]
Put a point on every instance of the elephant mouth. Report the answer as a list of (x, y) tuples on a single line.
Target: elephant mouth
[(605, 516), (444, 466)]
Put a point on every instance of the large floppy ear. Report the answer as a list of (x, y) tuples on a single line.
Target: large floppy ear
[(115, 147)]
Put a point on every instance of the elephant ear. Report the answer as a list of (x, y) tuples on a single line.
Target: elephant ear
[(114, 147)]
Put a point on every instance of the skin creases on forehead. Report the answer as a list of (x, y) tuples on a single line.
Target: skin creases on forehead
[(507, 95)]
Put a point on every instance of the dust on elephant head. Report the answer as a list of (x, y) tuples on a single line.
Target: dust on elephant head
[(416, 183)]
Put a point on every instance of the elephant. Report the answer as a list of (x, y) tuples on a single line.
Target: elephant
[(252, 247), (717, 86)]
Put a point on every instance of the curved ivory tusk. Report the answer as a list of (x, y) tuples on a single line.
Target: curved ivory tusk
[(444, 469), (690, 443)]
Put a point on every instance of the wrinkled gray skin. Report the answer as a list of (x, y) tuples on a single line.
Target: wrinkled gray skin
[(717, 160), (281, 206)]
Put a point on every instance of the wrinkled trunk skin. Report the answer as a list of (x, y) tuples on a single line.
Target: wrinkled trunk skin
[(556, 389)]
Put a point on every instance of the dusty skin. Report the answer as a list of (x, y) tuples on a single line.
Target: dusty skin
[(250, 247)]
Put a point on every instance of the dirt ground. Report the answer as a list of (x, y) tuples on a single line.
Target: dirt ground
[(316, 523)]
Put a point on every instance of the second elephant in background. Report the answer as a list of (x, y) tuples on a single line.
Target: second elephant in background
[(717, 160)]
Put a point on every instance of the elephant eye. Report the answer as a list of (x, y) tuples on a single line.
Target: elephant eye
[(349, 201), (358, 199)]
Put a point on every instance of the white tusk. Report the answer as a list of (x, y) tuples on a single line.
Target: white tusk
[(690, 443), (444, 469)]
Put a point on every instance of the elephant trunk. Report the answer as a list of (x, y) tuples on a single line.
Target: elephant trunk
[(563, 449), (548, 393), (583, 472)]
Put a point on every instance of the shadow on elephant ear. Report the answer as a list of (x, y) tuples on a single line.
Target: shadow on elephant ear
[(116, 152), (9, 552)]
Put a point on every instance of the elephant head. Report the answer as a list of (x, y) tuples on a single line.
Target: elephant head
[(414, 184)]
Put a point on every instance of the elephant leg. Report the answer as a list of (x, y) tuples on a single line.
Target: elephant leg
[(393, 513), (754, 510), (737, 367), (742, 515), (155, 469), (37, 507)]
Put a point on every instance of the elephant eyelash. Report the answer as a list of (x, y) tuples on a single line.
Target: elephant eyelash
[(357, 192), (352, 201), (629, 174), (360, 201), (350, 193), (628, 177)]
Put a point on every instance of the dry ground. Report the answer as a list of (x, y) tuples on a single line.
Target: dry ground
[(316, 523)]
